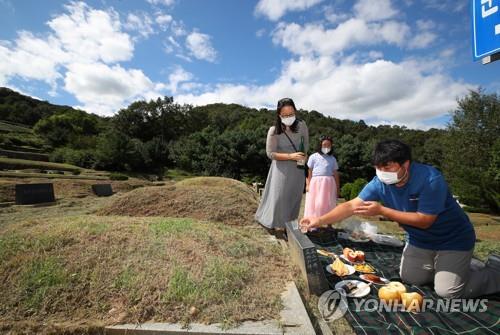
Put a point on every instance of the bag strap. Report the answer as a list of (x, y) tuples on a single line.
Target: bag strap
[(293, 145)]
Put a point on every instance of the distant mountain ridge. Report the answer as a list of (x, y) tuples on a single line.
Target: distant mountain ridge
[(21, 109)]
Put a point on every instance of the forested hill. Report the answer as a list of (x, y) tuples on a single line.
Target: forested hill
[(229, 140), (19, 108)]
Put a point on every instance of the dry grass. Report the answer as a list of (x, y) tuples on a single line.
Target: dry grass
[(203, 198), (65, 188), (83, 272)]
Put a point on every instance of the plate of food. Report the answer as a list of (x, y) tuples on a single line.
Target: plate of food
[(353, 288), (339, 268), (364, 268), (353, 256), (374, 279)]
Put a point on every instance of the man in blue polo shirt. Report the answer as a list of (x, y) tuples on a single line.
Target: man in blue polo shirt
[(441, 236)]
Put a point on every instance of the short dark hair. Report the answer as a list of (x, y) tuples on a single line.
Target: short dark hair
[(279, 127), (390, 151)]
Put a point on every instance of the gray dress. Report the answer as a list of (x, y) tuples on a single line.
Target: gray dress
[(282, 194)]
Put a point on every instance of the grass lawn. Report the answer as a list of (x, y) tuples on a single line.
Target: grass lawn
[(177, 175), (62, 266)]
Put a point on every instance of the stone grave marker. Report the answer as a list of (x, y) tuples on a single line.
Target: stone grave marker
[(29, 194), (102, 190)]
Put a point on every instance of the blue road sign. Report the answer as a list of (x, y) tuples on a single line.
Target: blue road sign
[(485, 27)]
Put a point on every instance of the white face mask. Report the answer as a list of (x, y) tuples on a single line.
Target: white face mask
[(388, 178), (288, 121), (325, 150)]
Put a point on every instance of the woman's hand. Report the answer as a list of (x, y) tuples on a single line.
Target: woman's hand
[(297, 156)]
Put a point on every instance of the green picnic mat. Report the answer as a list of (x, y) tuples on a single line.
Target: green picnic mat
[(386, 260)]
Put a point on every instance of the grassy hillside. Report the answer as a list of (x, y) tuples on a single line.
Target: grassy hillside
[(21, 164)]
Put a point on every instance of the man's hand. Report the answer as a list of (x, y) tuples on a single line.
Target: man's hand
[(368, 208), (308, 223)]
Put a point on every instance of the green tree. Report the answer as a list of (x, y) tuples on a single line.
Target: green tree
[(471, 164), (114, 149), (67, 128)]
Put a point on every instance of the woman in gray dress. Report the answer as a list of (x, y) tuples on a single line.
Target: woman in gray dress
[(287, 144)]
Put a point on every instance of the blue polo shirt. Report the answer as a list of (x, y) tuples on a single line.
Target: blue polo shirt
[(426, 192)]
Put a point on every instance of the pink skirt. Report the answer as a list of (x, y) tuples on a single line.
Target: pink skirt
[(322, 196)]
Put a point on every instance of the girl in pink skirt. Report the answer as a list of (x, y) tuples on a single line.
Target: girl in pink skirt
[(322, 183)]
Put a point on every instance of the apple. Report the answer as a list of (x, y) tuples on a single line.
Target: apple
[(360, 256), (391, 293), (354, 256), (412, 301)]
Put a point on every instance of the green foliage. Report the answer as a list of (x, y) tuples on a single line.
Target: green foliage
[(229, 140), (84, 158), (473, 150), (351, 190), (118, 176), (68, 128), (345, 191), (20, 164), (18, 108), (232, 153)]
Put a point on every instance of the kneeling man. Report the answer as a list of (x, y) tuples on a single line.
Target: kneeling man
[(441, 236)]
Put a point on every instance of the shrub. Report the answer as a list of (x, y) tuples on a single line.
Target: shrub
[(351, 190), (118, 176)]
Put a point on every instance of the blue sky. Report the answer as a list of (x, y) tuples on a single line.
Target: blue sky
[(386, 62)]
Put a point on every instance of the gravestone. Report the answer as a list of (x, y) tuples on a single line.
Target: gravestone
[(304, 254), (102, 190), (29, 194)]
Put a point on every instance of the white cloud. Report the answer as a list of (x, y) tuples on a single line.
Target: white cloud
[(316, 39), (422, 40), (162, 2), (103, 89), (82, 49), (92, 34), (424, 36), (163, 20), (446, 5), (200, 46), (82, 34), (274, 10), (178, 28), (141, 23), (370, 10), (425, 24), (179, 75), (332, 15), (380, 90)]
